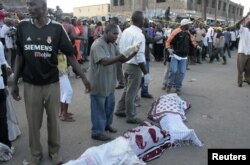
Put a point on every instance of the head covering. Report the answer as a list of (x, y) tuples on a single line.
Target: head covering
[(185, 22)]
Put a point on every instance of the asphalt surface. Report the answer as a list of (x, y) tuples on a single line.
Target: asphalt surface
[(220, 116)]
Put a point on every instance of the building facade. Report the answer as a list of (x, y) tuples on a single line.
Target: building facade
[(226, 9), (13, 3), (92, 11)]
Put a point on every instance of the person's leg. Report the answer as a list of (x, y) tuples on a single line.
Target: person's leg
[(109, 109), (133, 84), (241, 62), (4, 138), (121, 107), (172, 72), (181, 73), (34, 105), (51, 93), (120, 76), (98, 115), (144, 89)]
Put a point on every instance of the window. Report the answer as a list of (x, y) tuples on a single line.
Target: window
[(115, 2), (199, 2), (213, 3), (224, 6), (160, 1), (219, 5), (121, 2)]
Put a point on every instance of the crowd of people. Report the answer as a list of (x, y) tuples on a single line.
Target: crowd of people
[(43, 46)]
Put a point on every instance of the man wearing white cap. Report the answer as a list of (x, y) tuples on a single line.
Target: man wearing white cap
[(178, 45)]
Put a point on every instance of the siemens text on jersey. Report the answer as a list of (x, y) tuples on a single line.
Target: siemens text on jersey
[(38, 47)]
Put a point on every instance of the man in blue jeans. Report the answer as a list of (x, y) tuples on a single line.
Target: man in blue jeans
[(179, 44), (104, 55)]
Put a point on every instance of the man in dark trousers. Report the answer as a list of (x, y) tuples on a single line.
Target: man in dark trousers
[(38, 41)]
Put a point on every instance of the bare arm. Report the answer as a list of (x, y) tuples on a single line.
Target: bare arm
[(18, 67), (73, 62), (237, 25)]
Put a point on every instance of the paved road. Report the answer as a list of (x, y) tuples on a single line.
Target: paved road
[(220, 116)]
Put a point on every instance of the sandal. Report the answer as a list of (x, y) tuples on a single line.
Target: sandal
[(67, 119)]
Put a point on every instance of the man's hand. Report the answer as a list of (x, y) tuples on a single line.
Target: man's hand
[(147, 79), (87, 85), (198, 47), (131, 50), (170, 51), (5, 152), (15, 93)]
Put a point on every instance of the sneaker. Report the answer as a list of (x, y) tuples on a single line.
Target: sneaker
[(120, 114), (111, 129), (35, 160), (149, 96), (168, 89), (119, 87), (101, 137), (134, 121), (178, 91), (56, 159)]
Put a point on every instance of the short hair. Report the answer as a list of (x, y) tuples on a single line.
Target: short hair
[(110, 27), (137, 17), (115, 20)]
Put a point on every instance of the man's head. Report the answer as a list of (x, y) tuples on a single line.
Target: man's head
[(37, 8), (185, 24), (138, 18), (114, 20), (111, 33), (248, 25)]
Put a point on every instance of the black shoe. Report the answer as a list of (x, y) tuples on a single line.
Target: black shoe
[(149, 96), (111, 129), (101, 137), (119, 87), (134, 121), (239, 85), (178, 91), (120, 114)]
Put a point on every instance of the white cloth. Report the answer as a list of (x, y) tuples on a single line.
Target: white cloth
[(116, 152), (131, 36), (66, 91), (4, 34), (180, 134), (244, 43), (210, 34), (2, 61), (13, 126)]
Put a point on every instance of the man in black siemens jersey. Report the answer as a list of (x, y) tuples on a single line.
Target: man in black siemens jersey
[(38, 42)]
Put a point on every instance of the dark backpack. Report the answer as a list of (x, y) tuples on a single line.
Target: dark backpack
[(181, 44)]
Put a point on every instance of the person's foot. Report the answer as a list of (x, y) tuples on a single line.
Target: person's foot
[(169, 89), (164, 87), (66, 118), (101, 137), (120, 114), (134, 121), (111, 129), (178, 91), (147, 95), (119, 87), (240, 85), (35, 160), (56, 159)]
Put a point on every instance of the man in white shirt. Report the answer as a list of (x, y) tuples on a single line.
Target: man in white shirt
[(6, 150), (243, 52), (133, 69)]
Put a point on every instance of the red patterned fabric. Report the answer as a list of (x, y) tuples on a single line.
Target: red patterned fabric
[(148, 141)]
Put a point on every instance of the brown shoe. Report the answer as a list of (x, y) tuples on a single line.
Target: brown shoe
[(111, 129), (134, 121), (169, 89), (56, 159)]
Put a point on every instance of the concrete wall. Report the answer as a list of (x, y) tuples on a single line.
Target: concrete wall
[(90, 11)]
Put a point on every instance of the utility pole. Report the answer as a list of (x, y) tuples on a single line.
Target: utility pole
[(216, 10), (205, 9)]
